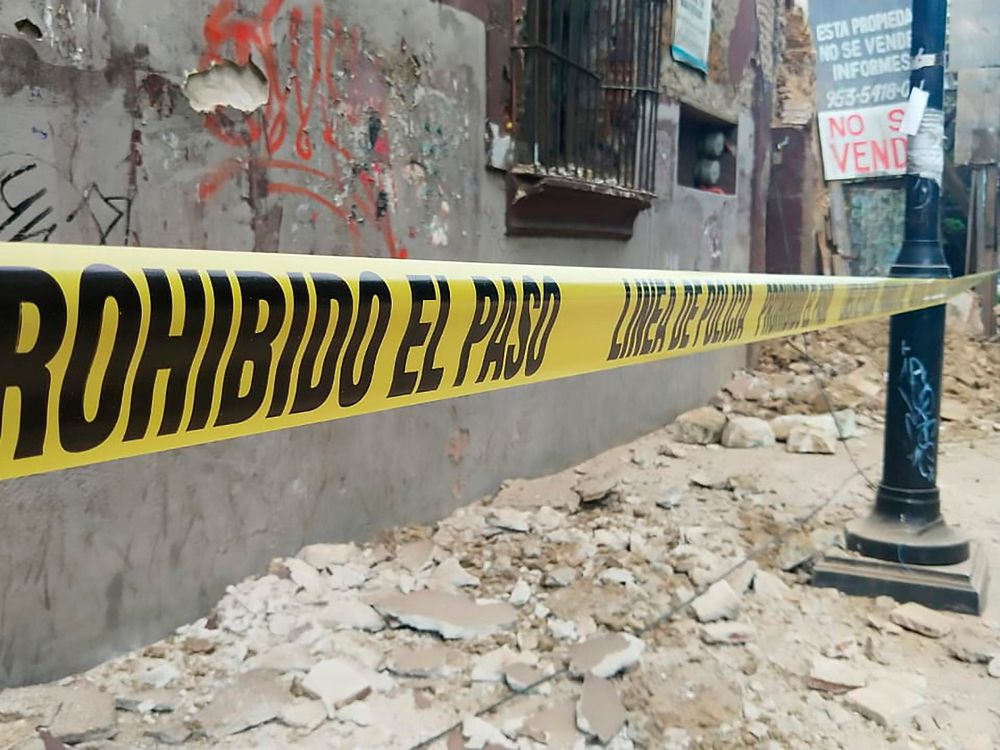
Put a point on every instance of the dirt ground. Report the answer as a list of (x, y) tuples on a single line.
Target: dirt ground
[(577, 586)]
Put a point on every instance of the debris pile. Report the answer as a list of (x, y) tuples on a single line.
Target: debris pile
[(614, 600)]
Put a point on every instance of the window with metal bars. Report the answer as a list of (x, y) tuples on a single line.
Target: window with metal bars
[(589, 90)]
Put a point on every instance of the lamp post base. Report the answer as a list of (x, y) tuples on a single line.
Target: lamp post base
[(887, 538), (959, 588)]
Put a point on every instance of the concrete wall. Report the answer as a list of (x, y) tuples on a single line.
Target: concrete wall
[(373, 146)]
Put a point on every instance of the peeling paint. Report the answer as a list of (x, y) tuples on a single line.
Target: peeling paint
[(226, 84)]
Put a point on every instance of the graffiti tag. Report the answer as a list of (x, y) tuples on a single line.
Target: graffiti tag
[(921, 422)]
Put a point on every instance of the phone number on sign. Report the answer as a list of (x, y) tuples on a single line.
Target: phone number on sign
[(878, 93)]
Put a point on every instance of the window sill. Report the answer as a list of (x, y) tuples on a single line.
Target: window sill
[(542, 205)]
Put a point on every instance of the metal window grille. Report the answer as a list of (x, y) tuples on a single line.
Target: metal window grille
[(590, 89)]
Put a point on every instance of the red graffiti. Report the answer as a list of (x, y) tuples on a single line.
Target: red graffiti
[(328, 85)]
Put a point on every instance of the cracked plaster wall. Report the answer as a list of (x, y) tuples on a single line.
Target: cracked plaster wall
[(372, 144)]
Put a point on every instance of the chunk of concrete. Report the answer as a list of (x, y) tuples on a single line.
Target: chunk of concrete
[(480, 734), (450, 615), (598, 488), (747, 432), (720, 602), (605, 655), (451, 573), (702, 426), (284, 657), (806, 439), (490, 666), (303, 713), (885, 702), (919, 619), (416, 556), (520, 594), (835, 676), (769, 586), (509, 519), (599, 711), (336, 682), (83, 714), (430, 661), (970, 646), (254, 698), (728, 633), (846, 419), (559, 577), (324, 556), (350, 614), (520, 676), (554, 726)]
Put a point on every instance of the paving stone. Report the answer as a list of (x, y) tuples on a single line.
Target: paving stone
[(599, 711), (451, 615), (885, 702), (920, 619), (733, 633), (835, 675), (747, 432), (700, 426), (336, 682), (720, 602), (253, 698), (605, 655)]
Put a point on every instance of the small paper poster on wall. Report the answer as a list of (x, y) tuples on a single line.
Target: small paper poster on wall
[(692, 33)]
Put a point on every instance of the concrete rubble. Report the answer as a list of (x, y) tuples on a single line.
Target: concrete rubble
[(613, 602)]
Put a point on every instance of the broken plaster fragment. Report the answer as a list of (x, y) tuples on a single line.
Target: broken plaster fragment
[(336, 682), (450, 615), (605, 655), (599, 712), (226, 84)]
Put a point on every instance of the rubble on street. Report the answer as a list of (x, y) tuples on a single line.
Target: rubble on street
[(615, 601)]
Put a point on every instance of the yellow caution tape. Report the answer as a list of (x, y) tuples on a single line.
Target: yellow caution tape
[(114, 352)]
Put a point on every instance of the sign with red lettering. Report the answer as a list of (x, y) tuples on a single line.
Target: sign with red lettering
[(862, 143), (862, 82)]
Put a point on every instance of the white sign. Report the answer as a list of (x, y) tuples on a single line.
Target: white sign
[(860, 143), (692, 33), (862, 84)]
